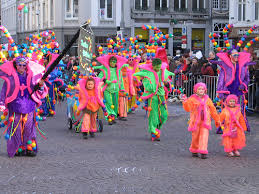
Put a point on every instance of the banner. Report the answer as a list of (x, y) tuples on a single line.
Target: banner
[(85, 48)]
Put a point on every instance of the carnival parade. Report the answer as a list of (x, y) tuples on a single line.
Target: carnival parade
[(126, 115)]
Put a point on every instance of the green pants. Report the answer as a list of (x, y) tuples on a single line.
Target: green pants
[(158, 115), (112, 99)]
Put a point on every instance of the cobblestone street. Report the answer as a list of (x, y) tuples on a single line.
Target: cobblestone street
[(122, 159)]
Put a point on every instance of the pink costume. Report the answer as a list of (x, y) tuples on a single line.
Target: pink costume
[(201, 109), (234, 125), (90, 101)]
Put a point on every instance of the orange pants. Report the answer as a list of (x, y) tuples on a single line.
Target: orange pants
[(200, 141), (232, 144), (89, 122), (123, 106)]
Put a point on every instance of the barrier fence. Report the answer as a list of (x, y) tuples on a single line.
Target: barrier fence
[(185, 83)]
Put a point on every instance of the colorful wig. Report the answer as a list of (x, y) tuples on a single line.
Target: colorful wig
[(230, 97), (200, 84)]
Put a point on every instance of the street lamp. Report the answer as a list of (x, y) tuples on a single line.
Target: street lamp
[(38, 14)]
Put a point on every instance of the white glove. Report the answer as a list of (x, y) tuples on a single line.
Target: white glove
[(2, 108)]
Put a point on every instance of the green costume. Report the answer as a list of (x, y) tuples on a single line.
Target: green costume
[(155, 93), (112, 78)]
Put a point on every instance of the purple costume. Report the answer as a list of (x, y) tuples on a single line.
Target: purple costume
[(17, 95), (234, 79)]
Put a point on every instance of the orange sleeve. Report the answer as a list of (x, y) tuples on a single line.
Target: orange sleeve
[(242, 122), (213, 112), (187, 105), (222, 116)]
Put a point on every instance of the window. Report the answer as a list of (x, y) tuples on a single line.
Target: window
[(241, 10), (71, 8), (141, 4), (198, 5), (161, 4), (180, 5), (218, 28), (256, 11), (224, 4), (215, 4), (106, 9)]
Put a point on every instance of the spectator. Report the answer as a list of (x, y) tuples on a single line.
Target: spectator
[(206, 68), (213, 57), (186, 55), (170, 63), (195, 69), (188, 64)]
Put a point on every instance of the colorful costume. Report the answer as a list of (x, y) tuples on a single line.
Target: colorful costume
[(234, 79), (53, 82), (112, 78), (234, 125), (90, 102), (201, 110), (131, 84), (18, 96), (155, 94)]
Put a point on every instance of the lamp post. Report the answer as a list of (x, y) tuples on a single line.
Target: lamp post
[(122, 23), (38, 15)]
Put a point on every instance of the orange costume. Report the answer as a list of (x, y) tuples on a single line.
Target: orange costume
[(123, 103), (89, 103), (234, 125), (201, 110)]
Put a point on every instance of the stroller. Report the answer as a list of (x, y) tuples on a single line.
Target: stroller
[(74, 117)]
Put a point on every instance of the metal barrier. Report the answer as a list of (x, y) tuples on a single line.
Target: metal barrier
[(185, 83), (251, 96)]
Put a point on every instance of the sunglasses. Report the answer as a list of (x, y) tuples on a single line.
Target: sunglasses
[(235, 55)]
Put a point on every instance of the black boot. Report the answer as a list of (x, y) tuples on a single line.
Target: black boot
[(22, 153), (195, 155), (123, 118), (85, 135), (31, 153), (204, 156), (92, 134)]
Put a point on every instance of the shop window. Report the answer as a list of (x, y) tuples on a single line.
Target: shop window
[(177, 40), (198, 39), (144, 33)]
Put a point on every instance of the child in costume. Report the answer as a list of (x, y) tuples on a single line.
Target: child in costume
[(201, 109), (21, 75), (112, 77), (90, 101), (128, 100), (155, 80), (233, 125)]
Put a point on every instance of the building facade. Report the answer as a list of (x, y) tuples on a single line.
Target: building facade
[(220, 17), (186, 19), (65, 16), (9, 18), (244, 14)]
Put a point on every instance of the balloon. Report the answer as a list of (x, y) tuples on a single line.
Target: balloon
[(25, 9), (20, 7)]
